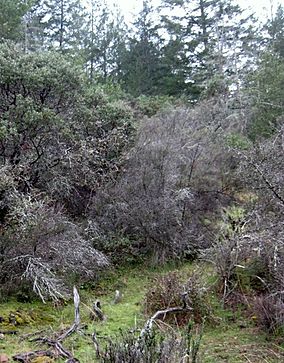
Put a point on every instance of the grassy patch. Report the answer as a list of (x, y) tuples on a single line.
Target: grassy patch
[(232, 339)]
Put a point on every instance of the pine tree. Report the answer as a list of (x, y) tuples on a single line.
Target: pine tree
[(106, 36), (11, 18), (275, 29), (64, 23), (141, 66), (265, 84), (215, 40)]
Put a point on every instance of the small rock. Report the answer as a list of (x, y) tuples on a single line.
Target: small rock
[(4, 358), (2, 336)]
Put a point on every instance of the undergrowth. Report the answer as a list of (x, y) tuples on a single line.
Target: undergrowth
[(232, 338)]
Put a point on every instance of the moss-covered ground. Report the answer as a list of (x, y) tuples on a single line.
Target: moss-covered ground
[(232, 339)]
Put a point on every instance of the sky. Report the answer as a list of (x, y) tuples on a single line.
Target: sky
[(262, 8)]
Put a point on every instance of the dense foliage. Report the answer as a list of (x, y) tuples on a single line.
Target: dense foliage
[(154, 142), (60, 140)]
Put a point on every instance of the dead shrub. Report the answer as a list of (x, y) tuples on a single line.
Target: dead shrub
[(172, 181), (41, 246), (170, 291), (269, 312)]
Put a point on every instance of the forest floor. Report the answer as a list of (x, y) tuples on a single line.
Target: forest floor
[(233, 339)]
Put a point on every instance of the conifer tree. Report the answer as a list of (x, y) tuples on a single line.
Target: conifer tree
[(106, 36), (64, 23), (140, 71), (275, 28), (213, 37), (11, 16)]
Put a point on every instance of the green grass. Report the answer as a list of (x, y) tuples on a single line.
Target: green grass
[(232, 339)]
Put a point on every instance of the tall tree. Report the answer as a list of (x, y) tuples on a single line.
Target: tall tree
[(11, 16), (213, 36), (275, 28), (141, 61), (265, 84), (106, 35), (64, 23)]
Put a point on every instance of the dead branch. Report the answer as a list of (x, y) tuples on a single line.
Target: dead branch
[(161, 313), (9, 332), (97, 311), (96, 344), (76, 323), (55, 343), (61, 351)]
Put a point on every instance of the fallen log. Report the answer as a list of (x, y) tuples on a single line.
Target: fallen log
[(60, 350)]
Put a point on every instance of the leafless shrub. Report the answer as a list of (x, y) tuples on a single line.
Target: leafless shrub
[(173, 179), (170, 291), (261, 169), (249, 252), (247, 255), (269, 311), (41, 246)]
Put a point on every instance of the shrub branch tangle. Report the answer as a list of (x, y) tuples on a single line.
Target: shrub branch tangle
[(173, 178)]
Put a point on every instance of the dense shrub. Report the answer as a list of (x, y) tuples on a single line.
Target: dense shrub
[(60, 139), (172, 181), (57, 132)]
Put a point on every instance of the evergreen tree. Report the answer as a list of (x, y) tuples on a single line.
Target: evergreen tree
[(265, 84), (11, 16), (34, 38), (140, 71), (215, 40), (275, 29), (64, 23), (105, 38)]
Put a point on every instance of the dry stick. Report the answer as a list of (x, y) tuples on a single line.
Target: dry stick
[(94, 335), (56, 344), (76, 323), (149, 324), (11, 332), (30, 335), (98, 310), (96, 344)]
